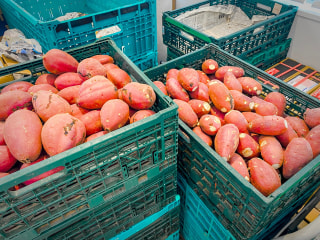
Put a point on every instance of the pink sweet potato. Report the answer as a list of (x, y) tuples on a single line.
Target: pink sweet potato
[(250, 116), (265, 108), (47, 104), (186, 113), (209, 66), (91, 67), (103, 58), (297, 154), (209, 124), (216, 112), (77, 111), (141, 114), (232, 82), (57, 61), (248, 147), (226, 141), (189, 79), (161, 86), (199, 107), (22, 134), (2, 142), (220, 96), (287, 136), (242, 102), (138, 96), (71, 94), (43, 86), (237, 72), (313, 137), (48, 78), (7, 160), (92, 122), (12, 101), (20, 85), (206, 138), (263, 177), (62, 132), (312, 117), (94, 92), (201, 93), (119, 77), (172, 73), (114, 114), (68, 79), (271, 151), (250, 86), (203, 77), (268, 125), (95, 135), (298, 125), (279, 100), (176, 91), (237, 162), (237, 118)]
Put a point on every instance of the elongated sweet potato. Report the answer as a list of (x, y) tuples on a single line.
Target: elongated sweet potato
[(138, 96), (279, 100), (209, 124), (94, 92), (161, 86), (298, 125), (237, 162), (77, 111), (119, 77), (268, 125), (201, 93), (250, 116), (47, 104), (287, 136), (62, 132), (57, 61), (172, 73), (209, 66), (95, 135), (68, 79), (12, 101), (92, 122), (206, 138), (2, 142), (7, 160), (71, 94), (20, 85), (114, 114), (265, 108), (232, 82), (103, 58), (248, 147), (43, 86), (22, 134), (109, 66), (90, 67), (216, 112), (297, 154), (141, 114), (313, 137), (237, 118), (263, 177), (48, 78), (312, 117), (203, 77), (186, 113), (242, 102), (250, 86), (237, 72), (226, 141), (220, 96), (271, 151), (176, 91), (189, 79), (199, 107)]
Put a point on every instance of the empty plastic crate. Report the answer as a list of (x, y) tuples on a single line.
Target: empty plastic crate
[(94, 172), (239, 206)]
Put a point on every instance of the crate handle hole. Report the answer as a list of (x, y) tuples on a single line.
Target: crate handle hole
[(264, 7)]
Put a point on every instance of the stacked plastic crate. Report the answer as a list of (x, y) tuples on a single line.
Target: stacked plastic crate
[(122, 184), (69, 24), (262, 43), (238, 206)]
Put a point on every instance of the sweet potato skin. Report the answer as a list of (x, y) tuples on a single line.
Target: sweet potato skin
[(268, 125), (250, 86), (237, 118), (200, 107), (298, 125), (189, 79), (220, 96), (176, 91), (209, 124), (237, 162), (287, 136), (226, 141), (248, 147), (297, 154), (313, 137), (312, 117), (232, 82), (279, 100), (206, 138), (186, 113), (237, 72), (242, 102), (271, 151)]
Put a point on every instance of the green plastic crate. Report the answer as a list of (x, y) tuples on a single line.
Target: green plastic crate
[(243, 43), (150, 60), (132, 25), (96, 171), (242, 209), (111, 220)]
